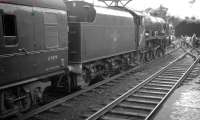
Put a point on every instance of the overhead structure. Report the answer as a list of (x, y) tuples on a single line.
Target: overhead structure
[(122, 3)]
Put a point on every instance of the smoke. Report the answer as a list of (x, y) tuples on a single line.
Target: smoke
[(192, 1)]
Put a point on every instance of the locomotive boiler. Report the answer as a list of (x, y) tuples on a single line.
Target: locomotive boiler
[(155, 36)]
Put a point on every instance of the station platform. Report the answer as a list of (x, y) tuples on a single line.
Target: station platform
[(183, 104)]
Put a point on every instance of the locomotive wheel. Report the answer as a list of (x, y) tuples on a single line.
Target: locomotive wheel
[(81, 80), (159, 53), (142, 57), (64, 83), (149, 56), (14, 101), (47, 93), (106, 70), (153, 54), (5, 108), (25, 103)]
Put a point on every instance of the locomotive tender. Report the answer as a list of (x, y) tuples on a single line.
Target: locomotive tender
[(100, 40), (51, 43)]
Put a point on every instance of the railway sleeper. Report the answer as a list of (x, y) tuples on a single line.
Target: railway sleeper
[(112, 116), (159, 85), (163, 82), (145, 98), (169, 77), (155, 88), (130, 113), (160, 93), (172, 74), (143, 101), (136, 107), (166, 79)]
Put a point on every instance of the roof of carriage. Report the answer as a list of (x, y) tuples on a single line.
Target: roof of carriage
[(52, 4)]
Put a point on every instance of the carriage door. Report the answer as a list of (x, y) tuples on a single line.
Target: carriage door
[(9, 45)]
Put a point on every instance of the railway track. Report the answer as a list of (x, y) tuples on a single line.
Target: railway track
[(142, 101), (34, 114)]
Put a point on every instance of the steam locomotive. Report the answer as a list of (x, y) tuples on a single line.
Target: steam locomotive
[(57, 44)]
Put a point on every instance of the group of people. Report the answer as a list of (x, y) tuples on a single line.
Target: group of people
[(192, 41)]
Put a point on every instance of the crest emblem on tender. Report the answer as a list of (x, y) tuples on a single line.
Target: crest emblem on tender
[(115, 36)]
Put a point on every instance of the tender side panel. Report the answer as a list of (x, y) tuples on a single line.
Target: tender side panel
[(106, 36)]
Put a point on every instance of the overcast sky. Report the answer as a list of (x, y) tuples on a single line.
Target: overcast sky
[(181, 8)]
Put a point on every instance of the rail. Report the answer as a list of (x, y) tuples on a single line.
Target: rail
[(123, 97)]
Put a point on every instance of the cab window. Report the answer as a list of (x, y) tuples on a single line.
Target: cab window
[(9, 30)]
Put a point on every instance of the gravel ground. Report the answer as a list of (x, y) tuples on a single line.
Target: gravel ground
[(96, 99)]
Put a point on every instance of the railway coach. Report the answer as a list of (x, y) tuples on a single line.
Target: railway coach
[(33, 51)]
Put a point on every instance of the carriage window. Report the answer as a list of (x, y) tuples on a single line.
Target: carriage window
[(9, 30)]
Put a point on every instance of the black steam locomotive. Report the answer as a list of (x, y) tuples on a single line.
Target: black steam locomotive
[(51, 43)]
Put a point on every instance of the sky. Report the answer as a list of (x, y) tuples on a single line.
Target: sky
[(178, 8)]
